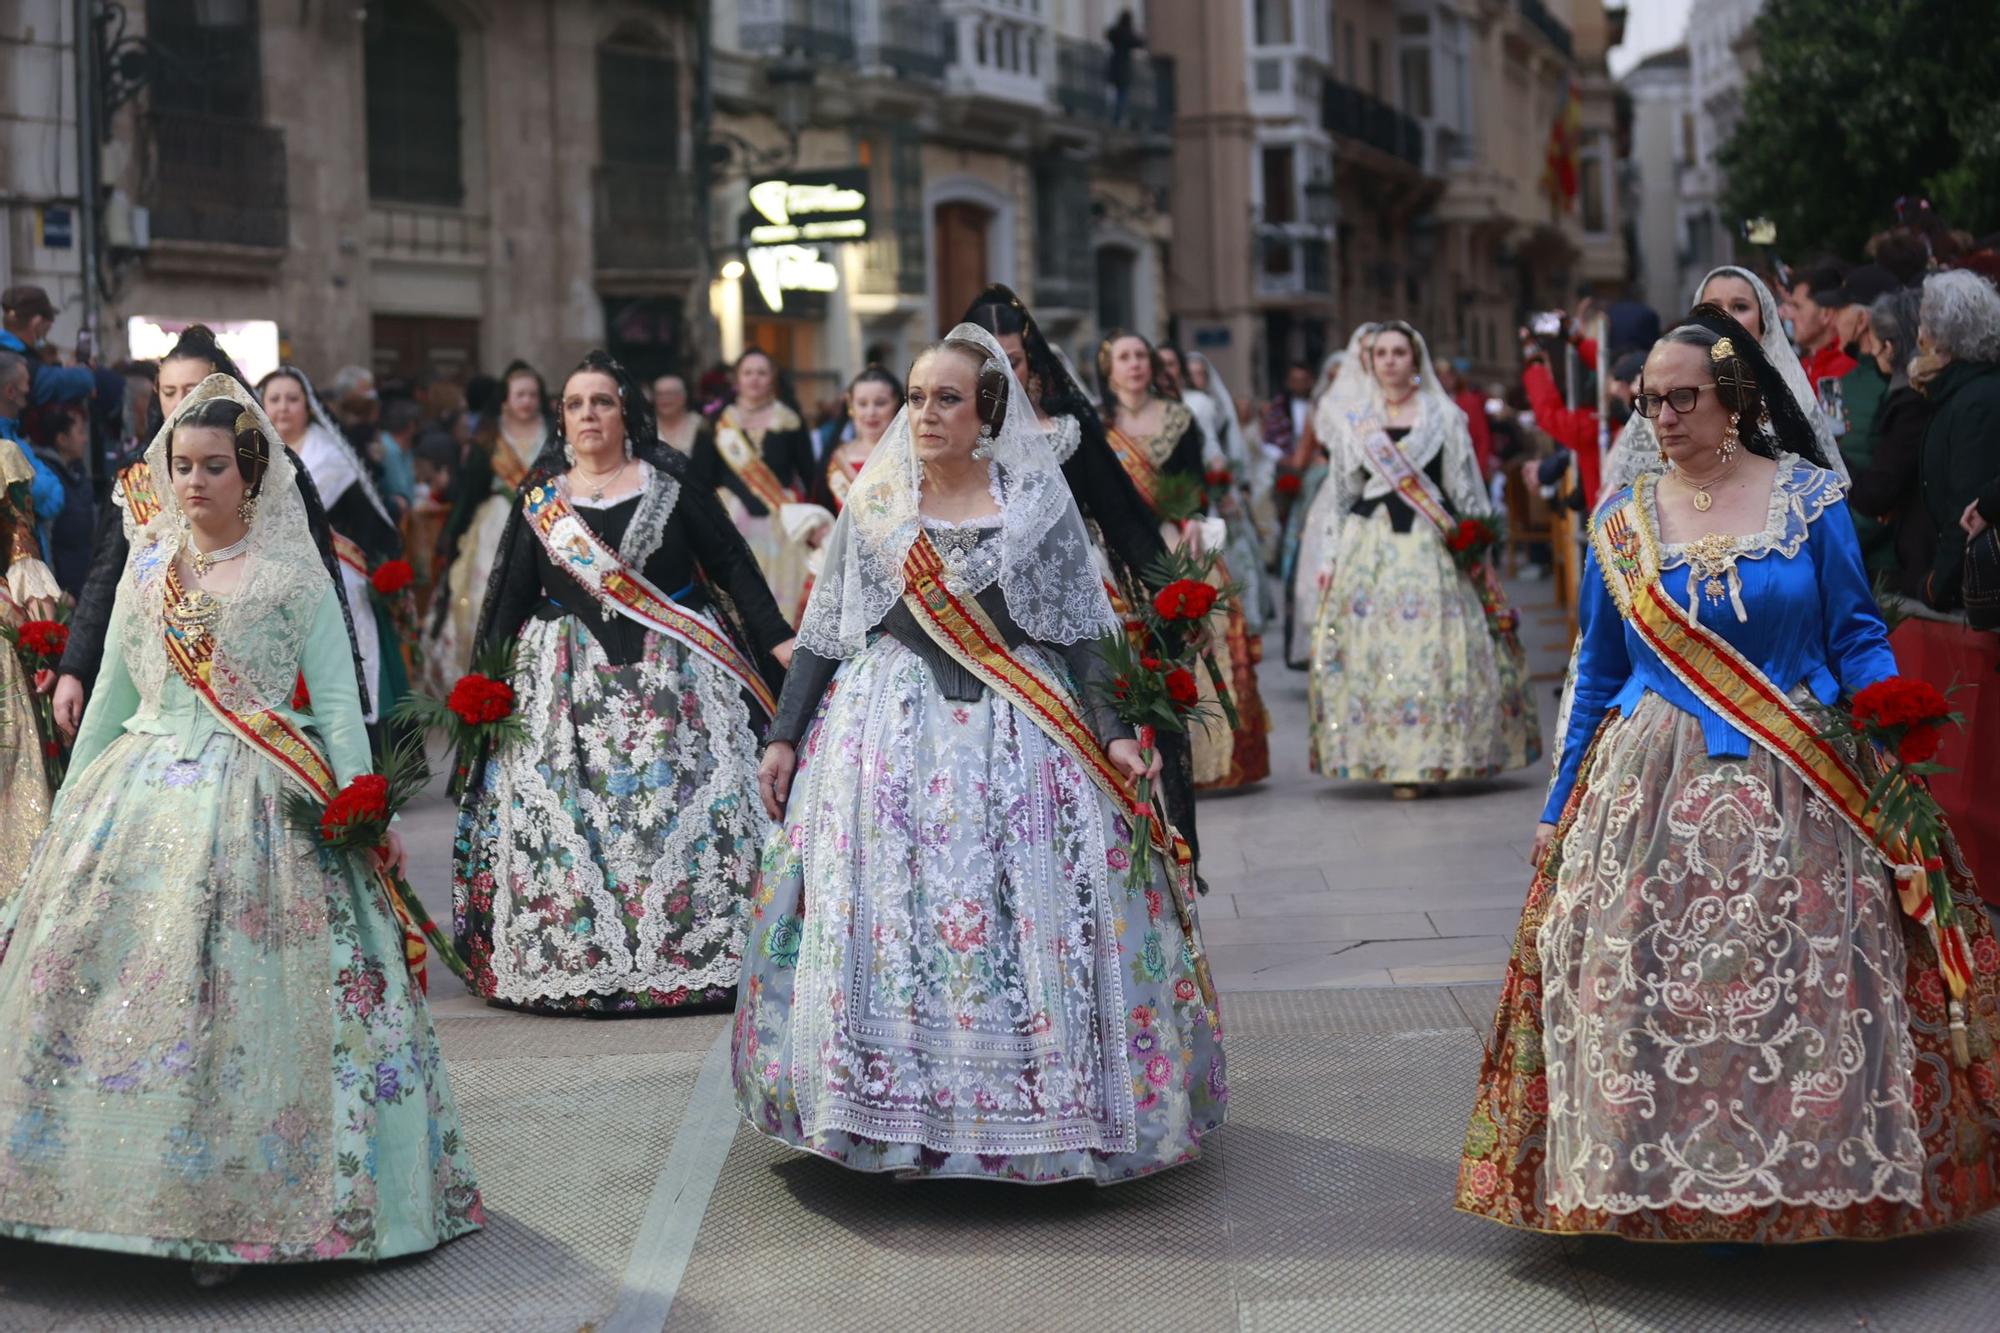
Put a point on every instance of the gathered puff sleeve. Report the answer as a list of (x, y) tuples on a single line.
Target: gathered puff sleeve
[(114, 698), (1857, 640), (328, 668), (1603, 666)]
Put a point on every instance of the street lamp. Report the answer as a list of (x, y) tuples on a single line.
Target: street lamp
[(790, 82)]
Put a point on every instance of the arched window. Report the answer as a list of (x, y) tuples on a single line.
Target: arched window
[(412, 87)]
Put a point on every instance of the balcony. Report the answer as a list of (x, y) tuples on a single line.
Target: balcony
[(1084, 92), (419, 231), (817, 30), (644, 220), (216, 181), (1541, 20), (904, 39), (1000, 50), (1293, 266), (1352, 114)]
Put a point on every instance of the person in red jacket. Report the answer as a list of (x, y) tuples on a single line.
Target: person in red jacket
[(1452, 379), (1574, 428)]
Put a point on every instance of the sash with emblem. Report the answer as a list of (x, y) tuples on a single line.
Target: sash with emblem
[(746, 459)]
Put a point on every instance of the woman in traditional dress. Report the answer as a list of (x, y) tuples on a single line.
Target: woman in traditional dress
[(1124, 535), (28, 591), (1215, 411), (678, 423), (210, 1045), (503, 450), (194, 356), (759, 458), (1312, 554), (1719, 1024), (1417, 671), (1154, 435), (364, 535), (603, 859), (952, 968), (1306, 459)]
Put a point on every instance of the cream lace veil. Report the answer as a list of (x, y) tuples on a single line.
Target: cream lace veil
[(1047, 575), (260, 633)]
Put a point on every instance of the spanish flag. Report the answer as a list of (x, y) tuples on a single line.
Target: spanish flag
[(1559, 166)]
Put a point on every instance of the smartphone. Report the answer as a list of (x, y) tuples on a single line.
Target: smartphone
[(85, 347), (1833, 401), (1760, 231), (1546, 323)]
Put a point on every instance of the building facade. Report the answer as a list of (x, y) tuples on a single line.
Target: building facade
[(1672, 232), (1388, 157), (40, 230), (1721, 45)]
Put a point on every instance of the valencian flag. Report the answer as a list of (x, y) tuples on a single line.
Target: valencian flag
[(1559, 166)]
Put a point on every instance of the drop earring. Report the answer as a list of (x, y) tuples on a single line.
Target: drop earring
[(984, 449), (247, 510), (569, 454), (1727, 449)]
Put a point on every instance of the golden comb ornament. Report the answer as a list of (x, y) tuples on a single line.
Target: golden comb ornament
[(1731, 372), (1723, 349), (245, 422)]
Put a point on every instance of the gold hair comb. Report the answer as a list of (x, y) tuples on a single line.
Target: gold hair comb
[(1722, 351), (245, 422)]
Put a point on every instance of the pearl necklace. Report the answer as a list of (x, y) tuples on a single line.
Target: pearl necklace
[(204, 561)]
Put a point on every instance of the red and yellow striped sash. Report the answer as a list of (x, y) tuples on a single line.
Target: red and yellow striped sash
[(1387, 459), (1138, 465), (350, 555), (135, 483), (746, 460), (964, 630), (579, 552), (1628, 553)]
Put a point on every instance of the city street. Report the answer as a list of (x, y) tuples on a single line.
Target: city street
[(1357, 940)]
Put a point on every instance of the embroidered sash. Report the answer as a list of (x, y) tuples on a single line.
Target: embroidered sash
[(962, 628), (272, 735), (135, 483), (1628, 553), (1138, 464), (746, 460), (350, 555), (840, 480), (619, 588)]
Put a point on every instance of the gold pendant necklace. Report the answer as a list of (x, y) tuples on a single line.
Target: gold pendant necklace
[(1702, 499)]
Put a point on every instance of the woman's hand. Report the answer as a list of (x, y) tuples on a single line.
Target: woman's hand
[(68, 706), (1125, 753), (392, 855), (1544, 834), (1971, 520), (774, 777), (783, 652)]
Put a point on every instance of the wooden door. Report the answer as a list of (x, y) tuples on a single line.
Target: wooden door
[(961, 259)]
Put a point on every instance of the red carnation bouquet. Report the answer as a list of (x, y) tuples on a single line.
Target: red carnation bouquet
[(1149, 693), (40, 644), (1288, 484), (353, 828), (1191, 590), (1219, 482), (1471, 541), (1179, 496), (1473, 544), (393, 585), (477, 715), (1905, 718)]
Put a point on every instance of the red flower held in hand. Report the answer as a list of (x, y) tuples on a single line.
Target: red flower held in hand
[(363, 801), (1920, 743), (1289, 484), (302, 700), (1898, 702), (43, 638), (479, 701), (1120, 686), (1469, 533), (1184, 599), (1218, 477), (1150, 663), (392, 576), (1181, 688)]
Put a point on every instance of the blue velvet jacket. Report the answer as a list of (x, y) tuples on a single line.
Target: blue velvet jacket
[(1808, 617)]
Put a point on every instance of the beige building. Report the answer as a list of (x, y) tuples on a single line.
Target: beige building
[(1380, 158)]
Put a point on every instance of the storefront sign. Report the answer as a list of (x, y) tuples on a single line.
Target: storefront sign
[(778, 269), (806, 206)]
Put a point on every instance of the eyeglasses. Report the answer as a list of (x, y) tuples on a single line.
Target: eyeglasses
[(1683, 400)]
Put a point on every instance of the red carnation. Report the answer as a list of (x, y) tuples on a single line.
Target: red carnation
[(392, 576), (1150, 663), (363, 801), (1120, 686), (1289, 484), (1898, 702), (1182, 689), (43, 638), (1920, 743), (302, 700), (1218, 477), (1469, 533), (478, 700), (1184, 599)]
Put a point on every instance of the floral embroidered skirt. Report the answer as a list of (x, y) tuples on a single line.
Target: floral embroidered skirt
[(1227, 757), (602, 863), (24, 775), (1718, 1025), (210, 1047), (784, 561), (1298, 565), (1408, 684), (951, 969), (448, 652)]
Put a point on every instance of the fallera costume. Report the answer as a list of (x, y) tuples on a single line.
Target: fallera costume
[(1417, 674), (1718, 1023), (602, 863), (235, 1065), (951, 969), (756, 474), (476, 525), (24, 775)]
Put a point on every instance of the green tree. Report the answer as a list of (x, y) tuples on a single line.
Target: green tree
[(1856, 102)]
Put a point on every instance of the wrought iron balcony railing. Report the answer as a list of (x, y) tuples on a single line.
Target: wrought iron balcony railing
[(644, 219), (210, 178), (1346, 110)]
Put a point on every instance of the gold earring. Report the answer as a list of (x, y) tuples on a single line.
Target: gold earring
[(1727, 449), (247, 511)]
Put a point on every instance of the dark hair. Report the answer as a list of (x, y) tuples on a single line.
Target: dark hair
[(1749, 387), (1000, 312), (518, 367), (253, 454), (1903, 251), (400, 414), (484, 394), (635, 408), (45, 423), (438, 447), (197, 343), (877, 375), (990, 380), (1156, 383)]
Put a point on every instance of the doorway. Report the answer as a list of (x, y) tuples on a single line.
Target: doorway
[(961, 236)]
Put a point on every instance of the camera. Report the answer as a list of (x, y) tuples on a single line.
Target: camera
[(1546, 323), (1760, 231)]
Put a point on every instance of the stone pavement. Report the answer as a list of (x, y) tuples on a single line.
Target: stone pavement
[(1357, 940)]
